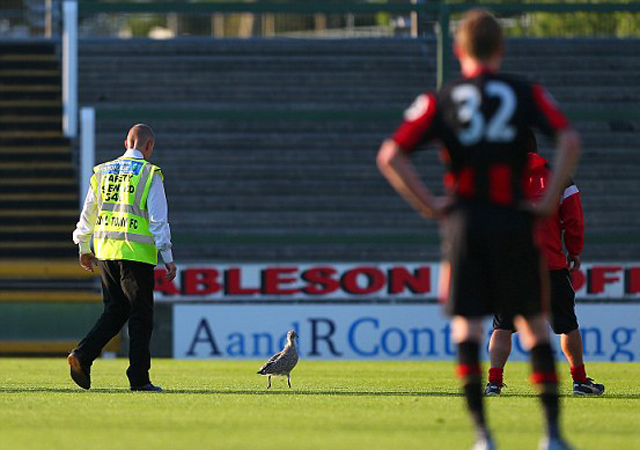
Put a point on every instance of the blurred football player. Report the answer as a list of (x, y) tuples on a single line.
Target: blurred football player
[(491, 264)]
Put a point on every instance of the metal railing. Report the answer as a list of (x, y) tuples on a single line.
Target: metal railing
[(250, 19), (176, 18)]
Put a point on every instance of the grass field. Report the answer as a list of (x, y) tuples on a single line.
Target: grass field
[(333, 405)]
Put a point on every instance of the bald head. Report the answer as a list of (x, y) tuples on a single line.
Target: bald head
[(142, 138)]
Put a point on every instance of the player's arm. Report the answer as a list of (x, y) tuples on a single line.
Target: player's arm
[(572, 220), (395, 162), (397, 168), (551, 120)]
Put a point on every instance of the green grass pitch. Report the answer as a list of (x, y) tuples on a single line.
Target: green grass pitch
[(333, 405)]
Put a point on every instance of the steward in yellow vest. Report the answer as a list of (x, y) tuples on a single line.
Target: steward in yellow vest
[(122, 226), (125, 212)]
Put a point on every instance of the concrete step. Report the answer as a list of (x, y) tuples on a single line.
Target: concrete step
[(268, 47), (324, 252), (31, 106), (38, 169), (38, 269), (19, 62), (592, 200), (36, 185), (35, 249), (33, 200), (250, 95), (328, 220), (35, 127), (240, 72), (16, 47), (12, 77), (35, 154), (574, 46), (41, 296), (23, 141), (44, 216), (286, 92)]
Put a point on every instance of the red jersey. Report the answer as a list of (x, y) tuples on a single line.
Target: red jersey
[(567, 219)]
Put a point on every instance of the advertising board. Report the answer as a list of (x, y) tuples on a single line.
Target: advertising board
[(321, 282), (372, 331)]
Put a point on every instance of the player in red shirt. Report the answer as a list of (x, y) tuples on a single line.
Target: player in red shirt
[(491, 264), (567, 223)]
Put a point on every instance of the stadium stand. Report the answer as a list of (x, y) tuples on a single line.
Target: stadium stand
[(39, 274), (40, 194), (268, 146), (277, 179)]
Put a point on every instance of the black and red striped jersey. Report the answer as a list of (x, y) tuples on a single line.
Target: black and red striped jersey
[(482, 121)]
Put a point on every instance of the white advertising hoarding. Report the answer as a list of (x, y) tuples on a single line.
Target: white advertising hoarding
[(399, 281), (403, 332)]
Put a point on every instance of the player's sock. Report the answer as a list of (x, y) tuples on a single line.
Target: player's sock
[(546, 379), (469, 373), (495, 376), (579, 374)]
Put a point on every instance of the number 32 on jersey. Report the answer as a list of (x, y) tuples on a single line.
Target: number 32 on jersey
[(476, 126)]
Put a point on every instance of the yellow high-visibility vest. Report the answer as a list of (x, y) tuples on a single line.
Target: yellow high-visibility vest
[(122, 226)]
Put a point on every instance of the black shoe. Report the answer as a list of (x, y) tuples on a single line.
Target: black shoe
[(80, 373), (493, 390), (588, 388), (147, 388)]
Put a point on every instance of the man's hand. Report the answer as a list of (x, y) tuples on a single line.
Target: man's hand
[(574, 262), (88, 261), (397, 168), (172, 270), (441, 206), (541, 210)]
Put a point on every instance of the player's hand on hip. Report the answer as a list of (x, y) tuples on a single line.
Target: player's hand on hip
[(541, 210), (573, 261), (88, 261), (172, 270), (440, 207)]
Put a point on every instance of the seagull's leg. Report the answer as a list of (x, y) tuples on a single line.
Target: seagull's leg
[(289, 380), (269, 386)]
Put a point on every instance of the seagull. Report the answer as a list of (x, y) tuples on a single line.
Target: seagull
[(283, 362)]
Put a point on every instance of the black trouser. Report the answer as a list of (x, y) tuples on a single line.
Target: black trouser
[(127, 289)]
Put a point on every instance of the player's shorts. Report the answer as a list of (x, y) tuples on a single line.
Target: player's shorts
[(494, 265), (563, 306)]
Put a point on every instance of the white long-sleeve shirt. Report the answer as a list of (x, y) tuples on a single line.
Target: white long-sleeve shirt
[(158, 216)]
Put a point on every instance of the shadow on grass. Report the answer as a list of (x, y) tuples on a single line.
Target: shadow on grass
[(293, 392)]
